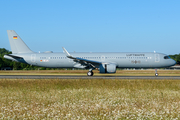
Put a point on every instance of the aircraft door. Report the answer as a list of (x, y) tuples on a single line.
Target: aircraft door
[(156, 57), (33, 58)]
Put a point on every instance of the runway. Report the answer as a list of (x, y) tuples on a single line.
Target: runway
[(83, 77)]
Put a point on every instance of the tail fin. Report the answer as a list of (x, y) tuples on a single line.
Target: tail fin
[(16, 43)]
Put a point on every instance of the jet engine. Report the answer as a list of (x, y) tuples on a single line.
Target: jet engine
[(107, 68)]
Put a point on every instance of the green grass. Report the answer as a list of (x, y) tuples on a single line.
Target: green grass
[(89, 99)]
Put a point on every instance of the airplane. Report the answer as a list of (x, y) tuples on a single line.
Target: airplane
[(105, 62)]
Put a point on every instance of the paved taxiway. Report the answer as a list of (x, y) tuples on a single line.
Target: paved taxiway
[(83, 77)]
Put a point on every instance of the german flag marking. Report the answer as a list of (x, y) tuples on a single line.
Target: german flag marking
[(14, 37)]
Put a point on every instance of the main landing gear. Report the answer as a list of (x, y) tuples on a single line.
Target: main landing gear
[(90, 73), (156, 74)]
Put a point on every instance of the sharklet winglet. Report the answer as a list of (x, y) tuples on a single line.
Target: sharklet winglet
[(66, 52)]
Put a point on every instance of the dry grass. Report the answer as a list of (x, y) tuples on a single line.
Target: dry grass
[(89, 99), (149, 72)]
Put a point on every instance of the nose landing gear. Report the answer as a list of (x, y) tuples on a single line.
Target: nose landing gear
[(156, 74)]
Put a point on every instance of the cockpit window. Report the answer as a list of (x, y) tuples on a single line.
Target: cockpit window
[(166, 57)]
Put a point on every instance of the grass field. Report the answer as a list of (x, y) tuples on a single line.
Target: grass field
[(89, 99), (149, 72)]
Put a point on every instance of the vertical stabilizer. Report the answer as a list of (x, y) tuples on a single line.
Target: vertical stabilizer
[(16, 43)]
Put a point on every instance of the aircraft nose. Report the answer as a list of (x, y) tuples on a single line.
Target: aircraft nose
[(173, 62)]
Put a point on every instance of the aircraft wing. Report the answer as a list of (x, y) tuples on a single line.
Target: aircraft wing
[(86, 62)]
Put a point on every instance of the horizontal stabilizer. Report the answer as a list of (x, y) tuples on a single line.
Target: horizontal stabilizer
[(13, 56)]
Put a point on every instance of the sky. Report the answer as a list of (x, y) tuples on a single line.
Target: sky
[(93, 25)]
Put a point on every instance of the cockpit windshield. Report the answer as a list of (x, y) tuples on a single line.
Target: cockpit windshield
[(167, 57)]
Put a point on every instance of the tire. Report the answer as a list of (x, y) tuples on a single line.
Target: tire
[(156, 74), (90, 73)]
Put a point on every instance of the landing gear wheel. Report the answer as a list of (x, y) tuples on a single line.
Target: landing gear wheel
[(156, 74), (90, 73)]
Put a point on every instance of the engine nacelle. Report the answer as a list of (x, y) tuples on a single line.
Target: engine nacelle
[(107, 68)]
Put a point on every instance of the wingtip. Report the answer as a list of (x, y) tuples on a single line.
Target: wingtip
[(66, 52)]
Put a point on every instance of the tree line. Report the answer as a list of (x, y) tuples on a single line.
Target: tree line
[(4, 63)]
